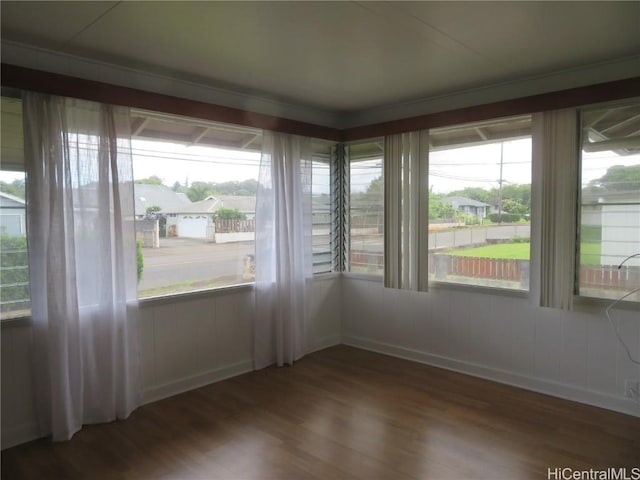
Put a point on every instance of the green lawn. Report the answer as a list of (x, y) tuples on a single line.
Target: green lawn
[(517, 251), (589, 255)]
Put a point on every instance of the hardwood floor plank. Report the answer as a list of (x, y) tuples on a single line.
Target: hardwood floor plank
[(342, 413)]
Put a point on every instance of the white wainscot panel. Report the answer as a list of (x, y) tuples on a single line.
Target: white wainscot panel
[(326, 312), (19, 422)]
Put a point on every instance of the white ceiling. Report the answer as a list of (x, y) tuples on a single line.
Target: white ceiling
[(336, 56)]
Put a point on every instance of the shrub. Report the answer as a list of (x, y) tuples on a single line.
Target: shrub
[(505, 217), (140, 259), (230, 214), (14, 278)]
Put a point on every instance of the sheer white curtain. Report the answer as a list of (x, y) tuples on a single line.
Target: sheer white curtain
[(283, 250), (556, 152), (82, 262), (406, 212)]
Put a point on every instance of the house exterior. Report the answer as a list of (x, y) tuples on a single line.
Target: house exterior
[(468, 205), (157, 196), (618, 215), (12, 215), (196, 219)]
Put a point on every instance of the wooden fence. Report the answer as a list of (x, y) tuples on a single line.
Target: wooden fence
[(610, 277), (224, 225), (441, 266), (476, 267)]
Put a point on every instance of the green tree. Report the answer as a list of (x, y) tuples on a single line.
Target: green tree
[(152, 180), (475, 193), (153, 209), (618, 178), (15, 188), (199, 191), (438, 209)]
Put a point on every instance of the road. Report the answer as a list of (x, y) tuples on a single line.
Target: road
[(180, 260)]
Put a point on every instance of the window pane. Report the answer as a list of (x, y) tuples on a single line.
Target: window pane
[(366, 209), (14, 267), (321, 207), (195, 188), (610, 210), (480, 203)]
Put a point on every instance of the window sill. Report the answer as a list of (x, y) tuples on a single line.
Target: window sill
[(364, 276), (593, 304), (485, 290), (196, 294), (15, 322)]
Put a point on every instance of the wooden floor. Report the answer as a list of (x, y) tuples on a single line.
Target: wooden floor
[(342, 413)]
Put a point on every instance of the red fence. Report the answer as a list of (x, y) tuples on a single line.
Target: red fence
[(609, 277), (493, 268), (604, 277)]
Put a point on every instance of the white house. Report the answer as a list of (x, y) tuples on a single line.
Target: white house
[(196, 219), (468, 205), (619, 217), (12, 215)]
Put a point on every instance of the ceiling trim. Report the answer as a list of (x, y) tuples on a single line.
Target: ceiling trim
[(36, 80), (573, 97), (582, 76), (162, 82), (46, 82)]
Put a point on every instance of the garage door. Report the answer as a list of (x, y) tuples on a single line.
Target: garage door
[(192, 226)]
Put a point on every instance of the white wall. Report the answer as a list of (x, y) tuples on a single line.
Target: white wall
[(184, 343), (572, 355)]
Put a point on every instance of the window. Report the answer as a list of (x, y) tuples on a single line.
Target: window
[(14, 267), (321, 197), (480, 203), (609, 233), (195, 190), (366, 209)]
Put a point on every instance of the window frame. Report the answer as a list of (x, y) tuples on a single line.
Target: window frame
[(435, 283), (581, 298), (349, 158)]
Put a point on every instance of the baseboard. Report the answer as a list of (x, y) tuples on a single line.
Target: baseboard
[(195, 381), (555, 389), (19, 434), (326, 342)]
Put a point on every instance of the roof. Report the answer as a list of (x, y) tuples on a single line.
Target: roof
[(244, 203), (211, 204), (11, 201), (157, 195), (463, 201), (208, 205), (611, 197)]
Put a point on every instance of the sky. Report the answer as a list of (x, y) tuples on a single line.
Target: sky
[(451, 169)]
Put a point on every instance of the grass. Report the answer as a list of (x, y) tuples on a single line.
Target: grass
[(589, 252), (516, 251)]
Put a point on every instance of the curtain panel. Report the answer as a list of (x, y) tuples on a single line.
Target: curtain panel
[(284, 270), (82, 262), (555, 148), (406, 210)]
